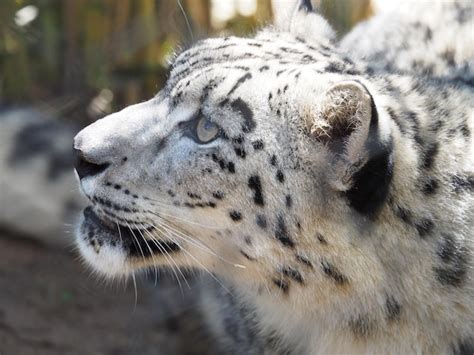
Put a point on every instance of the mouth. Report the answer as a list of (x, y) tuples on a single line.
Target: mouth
[(99, 234)]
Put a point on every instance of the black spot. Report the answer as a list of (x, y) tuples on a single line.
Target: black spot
[(334, 68), (465, 130), (273, 160), (224, 102), (265, 67), (292, 273), (430, 187), (288, 201), (241, 106), (392, 308), (261, 221), (258, 144), (239, 82), (240, 152), (455, 259), (412, 117), (219, 195), (462, 183), (361, 326), (126, 192), (248, 257), (281, 233), (124, 159), (395, 118), (171, 193), (451, 276), (451, 132), (280, 177), (235, 215), (429, 155), (231, 167), (321, 238), (448, 249), (248, 240), (298, 224), (194, 196), (282, 285), (161, 145), (332, 272), (424, 226), (238, 139), (404, 214), (304, 260), (255, 185), (436, 126), (428, 34)]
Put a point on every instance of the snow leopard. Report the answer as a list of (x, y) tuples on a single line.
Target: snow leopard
[(325, 185)]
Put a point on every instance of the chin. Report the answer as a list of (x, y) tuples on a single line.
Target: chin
[(114, 250)]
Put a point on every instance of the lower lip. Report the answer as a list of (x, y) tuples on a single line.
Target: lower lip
[(131, 237)]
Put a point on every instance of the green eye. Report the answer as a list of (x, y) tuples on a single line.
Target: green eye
[(206, 130)]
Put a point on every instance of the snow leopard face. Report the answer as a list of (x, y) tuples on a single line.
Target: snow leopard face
[(249, 143), (231, 161)]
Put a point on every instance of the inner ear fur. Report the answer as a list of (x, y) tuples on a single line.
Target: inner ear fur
[(345, 110), (347, 124)]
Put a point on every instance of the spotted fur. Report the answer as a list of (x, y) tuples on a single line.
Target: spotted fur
[(334, 202)]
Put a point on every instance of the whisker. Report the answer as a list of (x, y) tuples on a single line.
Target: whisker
[(139, 246), (170, 258), (182, 219), (200, 244), (188, 24), (152, 256), (201, 265), (136, 291)]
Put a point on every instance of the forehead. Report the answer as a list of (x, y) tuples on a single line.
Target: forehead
[(229, 56)]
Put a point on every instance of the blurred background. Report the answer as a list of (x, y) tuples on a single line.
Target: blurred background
[(63, 65)]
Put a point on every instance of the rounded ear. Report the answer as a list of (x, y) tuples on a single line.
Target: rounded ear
[(347, 124), (344, 115), (306, 22)]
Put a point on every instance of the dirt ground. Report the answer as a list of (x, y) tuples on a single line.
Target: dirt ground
[(50, 304)]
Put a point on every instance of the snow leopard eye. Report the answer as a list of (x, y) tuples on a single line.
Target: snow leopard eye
[(206, 130)]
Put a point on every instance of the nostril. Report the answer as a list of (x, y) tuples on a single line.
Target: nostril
[(84, 167)]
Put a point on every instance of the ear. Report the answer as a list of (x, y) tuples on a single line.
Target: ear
[(347, 124), (306, 22)]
